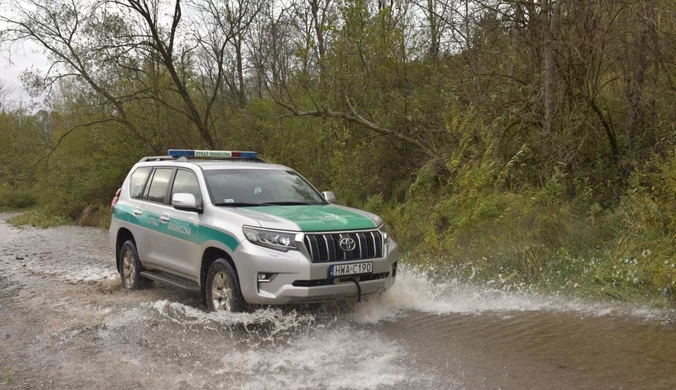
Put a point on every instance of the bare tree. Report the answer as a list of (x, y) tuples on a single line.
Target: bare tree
[(75, 35), (161, 40), (106, 43), (4, 93), (313, 20), (271, 48), (550, 11)]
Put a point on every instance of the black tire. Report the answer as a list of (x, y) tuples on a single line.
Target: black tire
[(221, 290), (130, 267)]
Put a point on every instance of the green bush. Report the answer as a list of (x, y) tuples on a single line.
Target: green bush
[(13, 198)]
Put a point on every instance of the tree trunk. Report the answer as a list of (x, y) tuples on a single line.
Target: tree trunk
[(434, 29), (241, 95), (550, 13)]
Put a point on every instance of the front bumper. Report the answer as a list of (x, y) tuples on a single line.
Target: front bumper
[(297, 280)]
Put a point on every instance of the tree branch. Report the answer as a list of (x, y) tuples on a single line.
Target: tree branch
[(48, 155), (360, 120)]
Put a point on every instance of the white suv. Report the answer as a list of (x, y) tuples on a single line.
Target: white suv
[(244, 232)]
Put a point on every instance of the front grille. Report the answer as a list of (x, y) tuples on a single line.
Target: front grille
[(325, 247)]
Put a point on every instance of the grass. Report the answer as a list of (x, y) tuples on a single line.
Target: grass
[(39, 217), (9, 375), (95, 215), (545, 244), (13, 199), (5, 209)]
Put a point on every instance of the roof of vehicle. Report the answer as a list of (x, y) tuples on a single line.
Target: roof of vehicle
[(230, 164), (214, 164), (210, 159)]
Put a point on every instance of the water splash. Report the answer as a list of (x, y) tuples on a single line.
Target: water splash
[(277, 348), (425, 291), (335, 359), (264, 325)]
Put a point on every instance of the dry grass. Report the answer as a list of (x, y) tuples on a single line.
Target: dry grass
[(94, 215)]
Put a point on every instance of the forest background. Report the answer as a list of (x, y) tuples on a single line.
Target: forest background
[(527, 144)]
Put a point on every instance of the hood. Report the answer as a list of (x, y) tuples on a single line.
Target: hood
[(311, 218)]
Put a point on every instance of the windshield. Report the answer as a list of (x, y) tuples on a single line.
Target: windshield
[(259, 187)]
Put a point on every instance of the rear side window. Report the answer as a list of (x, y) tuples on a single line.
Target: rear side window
[(159, 183), (138, 180)]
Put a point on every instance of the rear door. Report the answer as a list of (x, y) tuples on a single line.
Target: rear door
[(151, 207), (129, 214)]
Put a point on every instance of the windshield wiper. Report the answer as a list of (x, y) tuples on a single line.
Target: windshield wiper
[(290, 203), (237, 204)]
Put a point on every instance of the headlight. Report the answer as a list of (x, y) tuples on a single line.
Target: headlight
[(385, 231), (271, 239)]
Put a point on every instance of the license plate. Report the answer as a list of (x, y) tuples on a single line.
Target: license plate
[(351, 269)]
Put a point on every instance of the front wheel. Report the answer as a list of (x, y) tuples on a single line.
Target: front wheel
[(222, 290)]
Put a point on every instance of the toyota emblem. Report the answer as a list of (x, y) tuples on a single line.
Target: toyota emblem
[(347, 244)]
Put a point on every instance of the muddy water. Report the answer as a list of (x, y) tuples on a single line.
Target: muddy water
[(66, 323)]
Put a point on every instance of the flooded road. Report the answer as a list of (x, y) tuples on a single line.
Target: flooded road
[(65, 322)]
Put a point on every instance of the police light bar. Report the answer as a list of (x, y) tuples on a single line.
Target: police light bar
[(176, 153)]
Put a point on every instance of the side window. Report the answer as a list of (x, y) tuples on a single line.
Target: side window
[(186, 182), (138, 179), (159, 183)]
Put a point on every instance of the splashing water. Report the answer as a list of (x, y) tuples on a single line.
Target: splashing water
[(342, 347), (335, 359), (418, 291), (414, 291), (264, 325), (275, 348)]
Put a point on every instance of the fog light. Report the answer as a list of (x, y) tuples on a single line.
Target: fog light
[(263, 277)]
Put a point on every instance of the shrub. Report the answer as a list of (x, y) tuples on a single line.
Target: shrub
[(15, 198)]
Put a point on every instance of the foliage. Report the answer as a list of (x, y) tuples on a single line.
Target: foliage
[(516, 142), (39, 217), (16, 198)]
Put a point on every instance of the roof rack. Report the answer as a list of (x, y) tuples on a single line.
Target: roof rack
[(235, 159), (156, 158), (182, 155)]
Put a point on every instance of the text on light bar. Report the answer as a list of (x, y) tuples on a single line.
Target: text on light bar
[(176, 153)]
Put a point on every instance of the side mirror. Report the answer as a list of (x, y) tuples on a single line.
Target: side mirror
[(185, 202), (329, 196)]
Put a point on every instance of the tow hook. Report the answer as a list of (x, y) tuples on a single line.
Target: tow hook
[(358, 289)]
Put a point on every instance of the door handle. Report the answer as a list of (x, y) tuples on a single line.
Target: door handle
[(137, 212), (164, 218)]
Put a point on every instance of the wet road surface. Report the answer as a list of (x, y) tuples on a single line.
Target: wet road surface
[(66, 323)]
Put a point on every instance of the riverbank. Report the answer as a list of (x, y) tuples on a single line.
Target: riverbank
[(497, 257), (542, 241)]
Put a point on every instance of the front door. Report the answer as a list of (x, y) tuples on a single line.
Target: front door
[(179, 246)]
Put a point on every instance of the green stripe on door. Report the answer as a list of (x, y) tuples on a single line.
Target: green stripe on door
[(184, 230), (207, 233)]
